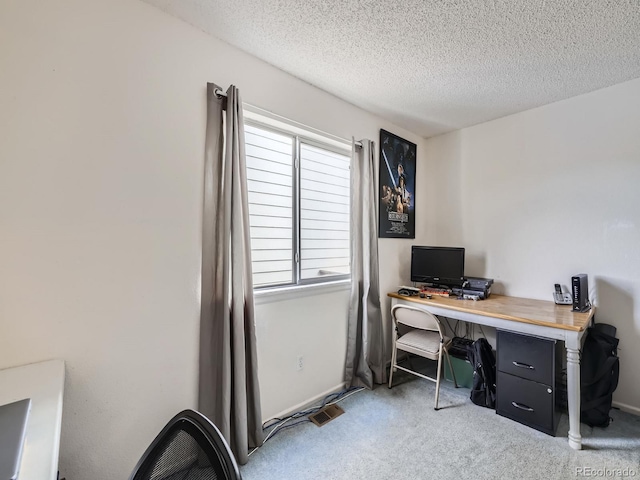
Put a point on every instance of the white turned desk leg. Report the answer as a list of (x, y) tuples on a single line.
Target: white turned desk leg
[(573, 392)]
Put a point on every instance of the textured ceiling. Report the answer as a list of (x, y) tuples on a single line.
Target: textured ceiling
[(434, 66)]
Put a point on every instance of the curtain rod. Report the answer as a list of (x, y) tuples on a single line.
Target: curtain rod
[(221, 94)]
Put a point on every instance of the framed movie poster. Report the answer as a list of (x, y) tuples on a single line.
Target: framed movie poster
[(397, 187)]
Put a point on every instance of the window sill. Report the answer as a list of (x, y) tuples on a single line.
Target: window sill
[(278, 294)]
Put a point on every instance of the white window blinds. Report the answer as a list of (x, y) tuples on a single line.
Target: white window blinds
[(324, 212), (298, 210), (270, 185)]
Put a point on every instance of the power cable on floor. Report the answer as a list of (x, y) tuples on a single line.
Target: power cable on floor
[(278, 424)]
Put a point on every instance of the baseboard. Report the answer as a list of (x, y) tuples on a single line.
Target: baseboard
[(309, 402), (626, 408)]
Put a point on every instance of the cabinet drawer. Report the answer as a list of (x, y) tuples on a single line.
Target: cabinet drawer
[(526, 356), (530, 403)]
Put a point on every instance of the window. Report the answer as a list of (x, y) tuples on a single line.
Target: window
[(298, 207)]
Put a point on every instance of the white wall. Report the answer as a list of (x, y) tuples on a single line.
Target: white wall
[(102, 120), (542, 195)]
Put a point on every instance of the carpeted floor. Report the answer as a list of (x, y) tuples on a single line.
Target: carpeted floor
[(396, 434)]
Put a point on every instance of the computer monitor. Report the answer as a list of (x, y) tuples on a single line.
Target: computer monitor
[(437, 265)]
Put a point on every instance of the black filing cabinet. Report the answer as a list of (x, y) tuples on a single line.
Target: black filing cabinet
[(528, 380)]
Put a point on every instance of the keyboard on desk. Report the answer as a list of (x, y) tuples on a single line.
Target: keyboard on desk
[(442, 292)]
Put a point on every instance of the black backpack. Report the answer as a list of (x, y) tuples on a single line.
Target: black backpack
[(599, 372), (482, 359)]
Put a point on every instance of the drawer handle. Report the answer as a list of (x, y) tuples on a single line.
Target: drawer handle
[(523, 365), (522, 407)]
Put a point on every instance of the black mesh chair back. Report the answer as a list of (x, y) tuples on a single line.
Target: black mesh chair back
[(190, 447)]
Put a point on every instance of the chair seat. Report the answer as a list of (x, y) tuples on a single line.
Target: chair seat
[(426, 340), (422, 342)]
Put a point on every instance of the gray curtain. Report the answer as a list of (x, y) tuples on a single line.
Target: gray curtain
[(228, 389), (365, 345)]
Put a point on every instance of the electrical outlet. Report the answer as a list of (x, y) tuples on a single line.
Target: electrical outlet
[(299, 362)]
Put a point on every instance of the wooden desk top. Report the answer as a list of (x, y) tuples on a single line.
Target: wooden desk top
[(526, 310)]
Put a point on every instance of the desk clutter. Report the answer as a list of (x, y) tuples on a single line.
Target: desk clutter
[(473, 288), (442, 292)]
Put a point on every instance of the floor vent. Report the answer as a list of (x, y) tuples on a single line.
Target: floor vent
[(325, 415)]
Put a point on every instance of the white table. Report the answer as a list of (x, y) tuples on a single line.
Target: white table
[(528, 316), (43, 383)]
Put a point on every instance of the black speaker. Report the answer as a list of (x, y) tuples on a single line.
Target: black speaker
[(580, 292)]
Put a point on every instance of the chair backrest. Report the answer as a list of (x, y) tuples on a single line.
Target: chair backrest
[(415, 318), (189, 446)]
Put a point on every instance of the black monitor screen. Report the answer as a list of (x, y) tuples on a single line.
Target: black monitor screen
[(437, 265)]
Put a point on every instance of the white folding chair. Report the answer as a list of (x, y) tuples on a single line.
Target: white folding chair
[(425, 339)]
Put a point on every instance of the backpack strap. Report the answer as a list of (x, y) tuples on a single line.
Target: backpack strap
[(615, 369), (606, 367)]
